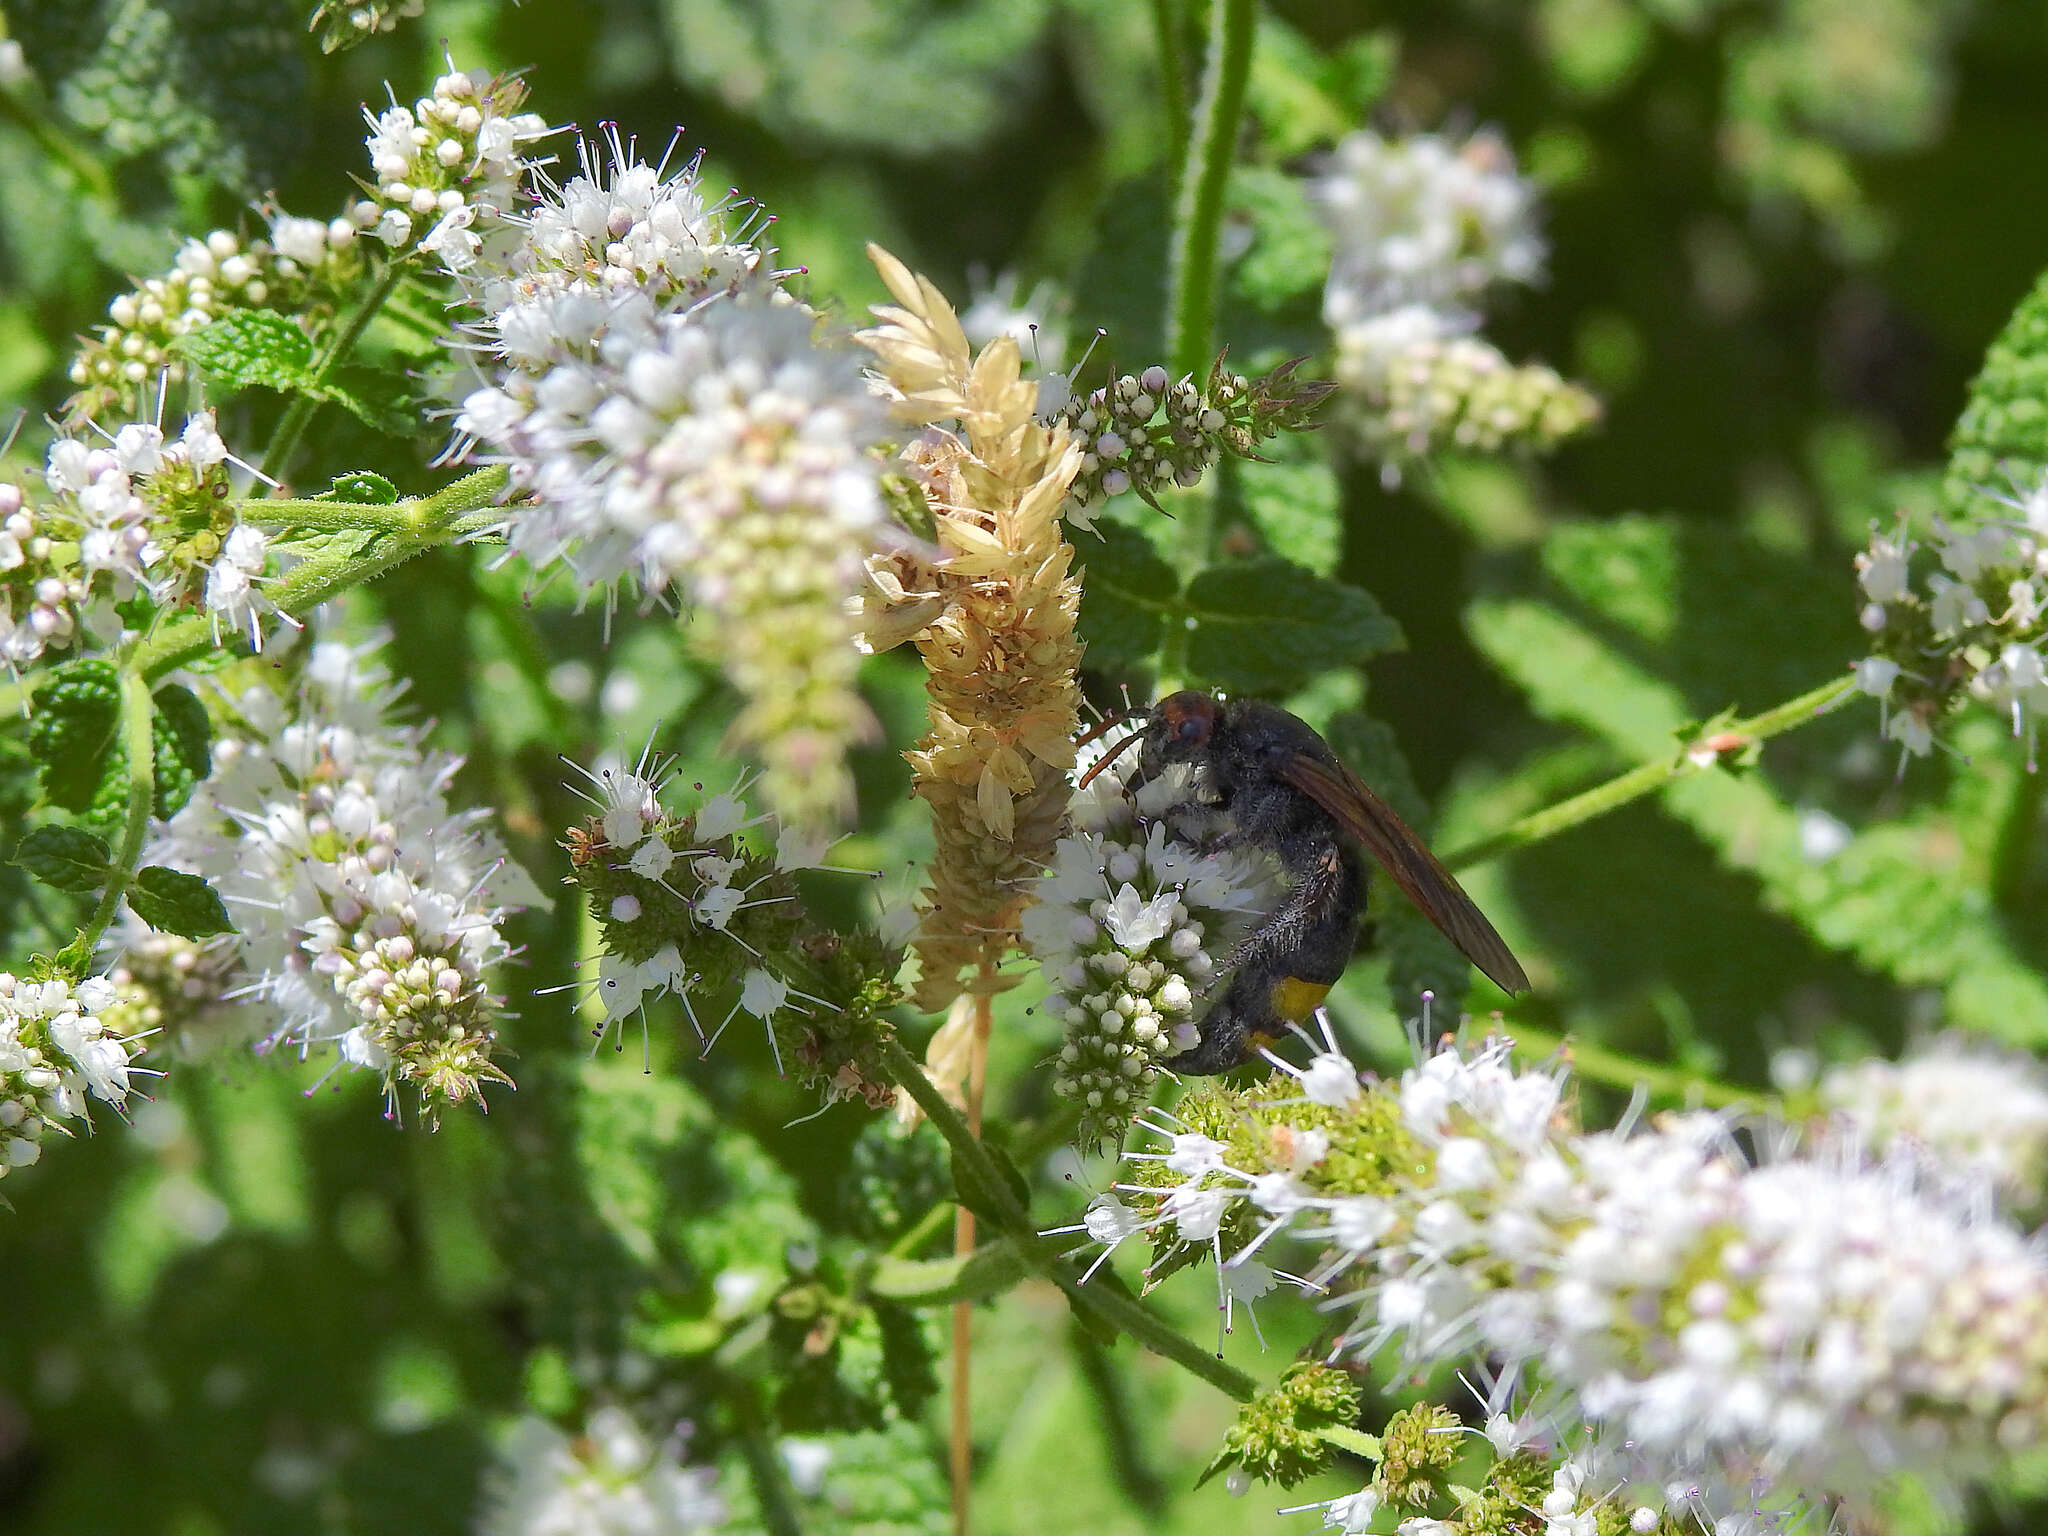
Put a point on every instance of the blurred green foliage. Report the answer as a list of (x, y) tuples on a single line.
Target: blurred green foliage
[(1784, 235)]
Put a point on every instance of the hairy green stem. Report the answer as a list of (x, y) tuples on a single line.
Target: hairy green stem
[(416, 526), (1123, 1311), (138, 745), (908, 1075), (1173, 83), (1198, 214), (1619, 1070), (1652, 776), (292, 425), (1356, 1441)]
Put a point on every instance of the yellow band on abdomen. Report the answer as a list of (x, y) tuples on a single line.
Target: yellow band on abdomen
[(1296, 999)]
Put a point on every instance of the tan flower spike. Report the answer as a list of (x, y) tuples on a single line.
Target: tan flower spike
[(1001, 650)]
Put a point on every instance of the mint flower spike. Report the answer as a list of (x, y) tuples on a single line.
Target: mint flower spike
[(61, 1046), (672, 416), (1421, 229), (368, 907), (1961, 616), (1740, 1339)]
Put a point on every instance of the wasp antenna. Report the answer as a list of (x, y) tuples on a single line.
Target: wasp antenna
[(1102, 727), (1109, 757)]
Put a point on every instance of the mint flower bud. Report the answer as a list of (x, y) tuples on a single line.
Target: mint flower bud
[(1426, 387), (1274, 1438), (57, 1052), (1144, 433), (1131, 925), (139, 512), (612, 1477), (368, 906), (1737, 1338), (341, 24), (174, 991)]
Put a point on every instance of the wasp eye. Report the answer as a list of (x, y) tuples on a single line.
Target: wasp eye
[(1190, 718), (1192, 731)]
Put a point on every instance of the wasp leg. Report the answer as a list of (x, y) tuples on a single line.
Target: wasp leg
[(1324, 899)]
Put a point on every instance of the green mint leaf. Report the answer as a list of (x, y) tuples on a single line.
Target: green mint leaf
[(249, 347), (1269, 625), (2003, 431), (69, 858), (1127, 594), (1292, 503), (174, 902), (184, 747), (73, 731)]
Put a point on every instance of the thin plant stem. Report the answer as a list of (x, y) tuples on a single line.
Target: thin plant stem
[(1652, 776), (292, 426), (2012, 858)]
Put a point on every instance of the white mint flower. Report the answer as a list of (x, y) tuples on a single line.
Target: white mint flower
[(57, 1050), (1129, 962), (368, 907), (613, 1479), (1739, 1339)]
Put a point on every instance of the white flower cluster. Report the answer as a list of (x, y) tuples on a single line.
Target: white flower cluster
[(674, 416), (1739, 1339), (611, 1480), (1968, 1107), (447, 170), (211, 276), (55, 1049), (1421, 227), (139, 512), (1130, 925), (1423, 219), (1976, 626), (368, 908)]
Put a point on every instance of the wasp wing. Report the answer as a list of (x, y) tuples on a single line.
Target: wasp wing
[(1424, 881)]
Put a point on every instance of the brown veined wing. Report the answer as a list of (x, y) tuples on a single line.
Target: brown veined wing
[(1424, 881)]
